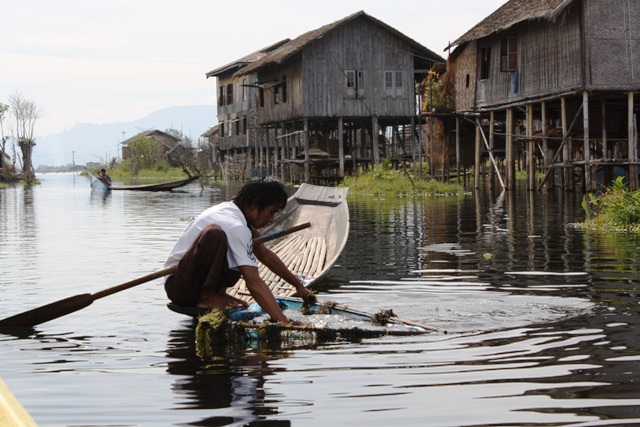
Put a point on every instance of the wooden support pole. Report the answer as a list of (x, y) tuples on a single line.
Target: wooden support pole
[(277, 152), (546, 156), (491, 158), (413, 141), (458, 148), (531, 151), (307, 160), (567, 171), (632, 150), (477, 158), (340, 147), (374, 140), (588, 184), (603, 113), (492, 138), (263, 131), (510, 164)]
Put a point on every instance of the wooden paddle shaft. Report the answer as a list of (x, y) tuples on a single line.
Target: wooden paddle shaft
[(397, 319), (281, 233), (69, 305)]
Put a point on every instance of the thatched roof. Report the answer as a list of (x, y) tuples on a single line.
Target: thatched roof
[(511, 13), (245, 60), (287, 50), (169, 141)]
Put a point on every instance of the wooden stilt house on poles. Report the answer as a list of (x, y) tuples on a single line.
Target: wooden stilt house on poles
[(326, 103), (551, 86)]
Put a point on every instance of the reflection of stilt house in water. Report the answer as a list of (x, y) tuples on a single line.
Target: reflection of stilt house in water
[(331, 101), (554, 82)]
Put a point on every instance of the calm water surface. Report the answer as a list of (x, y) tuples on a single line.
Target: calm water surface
[(542, 320)]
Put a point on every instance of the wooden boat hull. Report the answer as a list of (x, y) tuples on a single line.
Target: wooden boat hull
[(97, 185), (311, 252), (162, 186)]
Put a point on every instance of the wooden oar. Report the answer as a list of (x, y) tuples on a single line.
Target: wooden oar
[(69, 305)]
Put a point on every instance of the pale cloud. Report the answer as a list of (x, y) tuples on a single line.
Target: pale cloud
[(105, 61)]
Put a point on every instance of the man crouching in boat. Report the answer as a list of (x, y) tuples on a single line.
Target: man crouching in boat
[(217, 248)]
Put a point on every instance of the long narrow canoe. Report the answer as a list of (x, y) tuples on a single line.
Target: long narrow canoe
[(98, 185), (311, 252)]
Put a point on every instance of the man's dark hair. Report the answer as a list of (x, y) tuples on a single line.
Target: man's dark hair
[(263, 191)]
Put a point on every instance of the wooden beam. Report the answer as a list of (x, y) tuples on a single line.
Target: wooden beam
[(341, 147), (588, 184), (632, 150), (307, 160), (531, 158), (509, 152)]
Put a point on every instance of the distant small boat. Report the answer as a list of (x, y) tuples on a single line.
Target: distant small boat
[(97, 185)]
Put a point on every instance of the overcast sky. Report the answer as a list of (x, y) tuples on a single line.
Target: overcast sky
[(106, 61)]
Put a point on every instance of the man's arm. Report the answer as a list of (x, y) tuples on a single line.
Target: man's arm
[(275, 264), (261, 293)]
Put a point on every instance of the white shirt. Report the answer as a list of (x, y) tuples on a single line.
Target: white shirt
[(232, 221)]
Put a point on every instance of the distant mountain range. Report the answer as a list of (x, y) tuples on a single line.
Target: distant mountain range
[(87, 142)]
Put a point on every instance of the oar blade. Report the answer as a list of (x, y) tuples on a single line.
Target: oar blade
[(47, 312)]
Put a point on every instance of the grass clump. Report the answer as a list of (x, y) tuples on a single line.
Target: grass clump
[(616, 209), (385, 180)]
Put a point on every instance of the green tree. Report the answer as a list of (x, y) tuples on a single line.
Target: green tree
[(144, 153)]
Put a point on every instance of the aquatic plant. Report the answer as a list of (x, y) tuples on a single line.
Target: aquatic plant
[(382, 317), (616, 209), (385, 180)]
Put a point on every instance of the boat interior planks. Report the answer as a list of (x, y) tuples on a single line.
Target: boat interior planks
[(310, 252)]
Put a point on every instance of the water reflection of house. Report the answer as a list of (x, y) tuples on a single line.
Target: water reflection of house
[(346, 89), (558, 77)]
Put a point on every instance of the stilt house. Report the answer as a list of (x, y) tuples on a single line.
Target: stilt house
[(551, 86), (325, 103)]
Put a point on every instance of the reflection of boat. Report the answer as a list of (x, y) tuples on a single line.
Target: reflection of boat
[(98, 185), (310, 252), (322, 322)]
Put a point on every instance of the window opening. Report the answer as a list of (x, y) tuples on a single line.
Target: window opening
[(509, 54)]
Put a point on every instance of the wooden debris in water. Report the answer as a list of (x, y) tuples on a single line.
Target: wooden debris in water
[(216, 332), (382, 317)]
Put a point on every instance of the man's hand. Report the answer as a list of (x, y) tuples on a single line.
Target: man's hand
[(308, 297)]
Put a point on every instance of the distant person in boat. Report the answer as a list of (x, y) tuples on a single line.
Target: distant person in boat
[(104, 178), (217, 249)]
